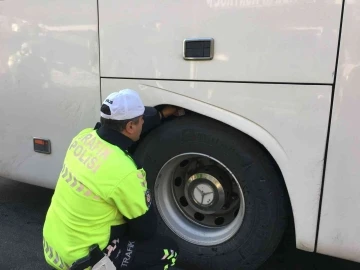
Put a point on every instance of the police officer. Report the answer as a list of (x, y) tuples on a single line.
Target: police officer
[(101, 196)]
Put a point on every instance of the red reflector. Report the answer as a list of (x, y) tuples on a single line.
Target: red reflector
[(42, 146), (41, 142)]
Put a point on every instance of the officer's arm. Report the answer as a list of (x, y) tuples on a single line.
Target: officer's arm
[(152, 121), (133, 200)]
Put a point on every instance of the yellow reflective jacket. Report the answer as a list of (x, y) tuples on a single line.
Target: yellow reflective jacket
[(99, 187)]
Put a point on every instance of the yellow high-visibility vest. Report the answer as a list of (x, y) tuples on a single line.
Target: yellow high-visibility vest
[(98, 186)]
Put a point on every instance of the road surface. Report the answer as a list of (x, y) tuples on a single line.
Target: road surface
[(22, 212)]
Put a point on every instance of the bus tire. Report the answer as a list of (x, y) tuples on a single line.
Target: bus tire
[(208, 239)]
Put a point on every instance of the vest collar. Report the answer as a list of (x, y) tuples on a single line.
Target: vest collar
[(114, 137)]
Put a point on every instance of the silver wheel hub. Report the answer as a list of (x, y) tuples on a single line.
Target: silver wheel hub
[(207, 193), (203, 195), (199, 199)]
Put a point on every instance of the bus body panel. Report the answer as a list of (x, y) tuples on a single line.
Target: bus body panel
[(339, 232), (49, 83), (254, 40)]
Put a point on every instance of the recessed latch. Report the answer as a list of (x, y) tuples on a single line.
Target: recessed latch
[(198, 49)]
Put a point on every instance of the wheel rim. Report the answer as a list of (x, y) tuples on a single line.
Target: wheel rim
[(199, 199)]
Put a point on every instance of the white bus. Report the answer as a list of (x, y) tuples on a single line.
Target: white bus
[(271, 93)]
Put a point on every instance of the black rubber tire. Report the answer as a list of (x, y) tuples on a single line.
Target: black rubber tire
[(266, 204)]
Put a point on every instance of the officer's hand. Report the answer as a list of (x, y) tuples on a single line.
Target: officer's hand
[(171, 110)]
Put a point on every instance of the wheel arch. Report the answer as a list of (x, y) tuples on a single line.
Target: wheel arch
[(239, 123)]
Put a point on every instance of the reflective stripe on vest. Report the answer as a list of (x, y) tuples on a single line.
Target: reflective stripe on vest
[(76, 184), (53, 256)]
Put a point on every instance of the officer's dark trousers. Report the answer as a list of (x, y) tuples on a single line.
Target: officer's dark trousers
[(157, 253)]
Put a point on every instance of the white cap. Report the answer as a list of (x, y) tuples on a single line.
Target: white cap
[(124, 105)]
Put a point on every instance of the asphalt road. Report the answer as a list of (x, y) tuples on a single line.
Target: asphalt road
[(22, 212)]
